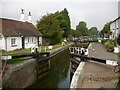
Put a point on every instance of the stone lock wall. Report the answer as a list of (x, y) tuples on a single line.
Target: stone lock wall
[(21, 75)]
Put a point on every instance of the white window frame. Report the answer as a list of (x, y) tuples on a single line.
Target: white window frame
[(0, 36), (31, 40), (13, 42)]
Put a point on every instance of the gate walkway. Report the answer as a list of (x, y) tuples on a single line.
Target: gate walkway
[(95, 74), (101, 52)]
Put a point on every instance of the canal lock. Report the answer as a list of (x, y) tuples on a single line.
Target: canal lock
[(51, 69), (75, 61)]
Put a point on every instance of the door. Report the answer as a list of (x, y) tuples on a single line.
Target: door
[(23, 42)]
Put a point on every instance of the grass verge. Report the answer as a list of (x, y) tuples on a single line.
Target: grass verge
[(14, 61), (117, 54)]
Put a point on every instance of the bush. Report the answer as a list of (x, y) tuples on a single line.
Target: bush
[(111, 40), (103, 41), (110, 47)]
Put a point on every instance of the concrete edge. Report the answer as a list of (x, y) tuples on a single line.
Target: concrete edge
[(89, 45), (77, 75), (56, 51)]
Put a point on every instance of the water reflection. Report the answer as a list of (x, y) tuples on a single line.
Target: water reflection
[(59, 75)]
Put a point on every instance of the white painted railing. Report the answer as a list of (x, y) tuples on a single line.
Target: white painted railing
[(78, 50)]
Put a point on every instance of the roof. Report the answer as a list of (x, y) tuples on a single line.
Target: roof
[(18, 28), (115, 20)]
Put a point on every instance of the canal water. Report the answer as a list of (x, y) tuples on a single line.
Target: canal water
[(59, 74)]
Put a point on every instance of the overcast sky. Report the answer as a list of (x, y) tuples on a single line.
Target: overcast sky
[(94, 13)]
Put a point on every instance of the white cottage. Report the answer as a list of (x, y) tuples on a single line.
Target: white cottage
[(18, 34), (115, 28)]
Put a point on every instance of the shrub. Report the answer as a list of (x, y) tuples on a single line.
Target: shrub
[(113, 42), (110, 47), (103, 41)]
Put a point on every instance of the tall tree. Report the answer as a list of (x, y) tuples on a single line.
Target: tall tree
[(106, 29), (75, 33), (93, 31), (82, 28), (64, 21), (50, 29)]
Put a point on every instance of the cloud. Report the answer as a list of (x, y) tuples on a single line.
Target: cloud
[(95, 13)]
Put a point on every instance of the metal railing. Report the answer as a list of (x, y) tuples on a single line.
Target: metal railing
[(87, 58)]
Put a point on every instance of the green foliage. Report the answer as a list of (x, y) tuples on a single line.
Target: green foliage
[(109, 47), (15, 61), (64, 21), (50, 29), (82, 28), (103, 41), (112, 41), (75, 33), (117, 54), (93, 31), (106, 29)]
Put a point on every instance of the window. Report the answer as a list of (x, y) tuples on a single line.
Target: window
[(28, 39), (31, 39), (0, 36), (13, 42)]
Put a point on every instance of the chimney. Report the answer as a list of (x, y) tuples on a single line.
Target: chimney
[(29, 17), (22, 15)]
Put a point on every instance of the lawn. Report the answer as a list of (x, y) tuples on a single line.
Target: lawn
[(27, 51), (117, 54), (14, 61)]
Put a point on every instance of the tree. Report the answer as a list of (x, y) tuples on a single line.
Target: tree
[(93, 31), (106, 29), (75, 33), (82, 28), (50, 29), (64, 21)]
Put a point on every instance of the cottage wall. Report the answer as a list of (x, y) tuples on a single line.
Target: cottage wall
[(5, 42), (2, 43), (9, 45), (115, 28), (40, 40), (119, 25), (31, 42), (112, 28)]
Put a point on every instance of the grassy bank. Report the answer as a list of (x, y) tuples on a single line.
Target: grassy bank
[(28, 51), (117, 54)]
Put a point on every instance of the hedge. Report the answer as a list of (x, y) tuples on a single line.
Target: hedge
[(103, 41)]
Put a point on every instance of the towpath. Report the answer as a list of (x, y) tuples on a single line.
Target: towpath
[(98, 75), (99, 51)]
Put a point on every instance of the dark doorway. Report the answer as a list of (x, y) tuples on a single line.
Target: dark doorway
[(23, 43)]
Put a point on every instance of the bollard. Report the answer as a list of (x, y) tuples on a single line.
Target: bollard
[(32, 50)]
